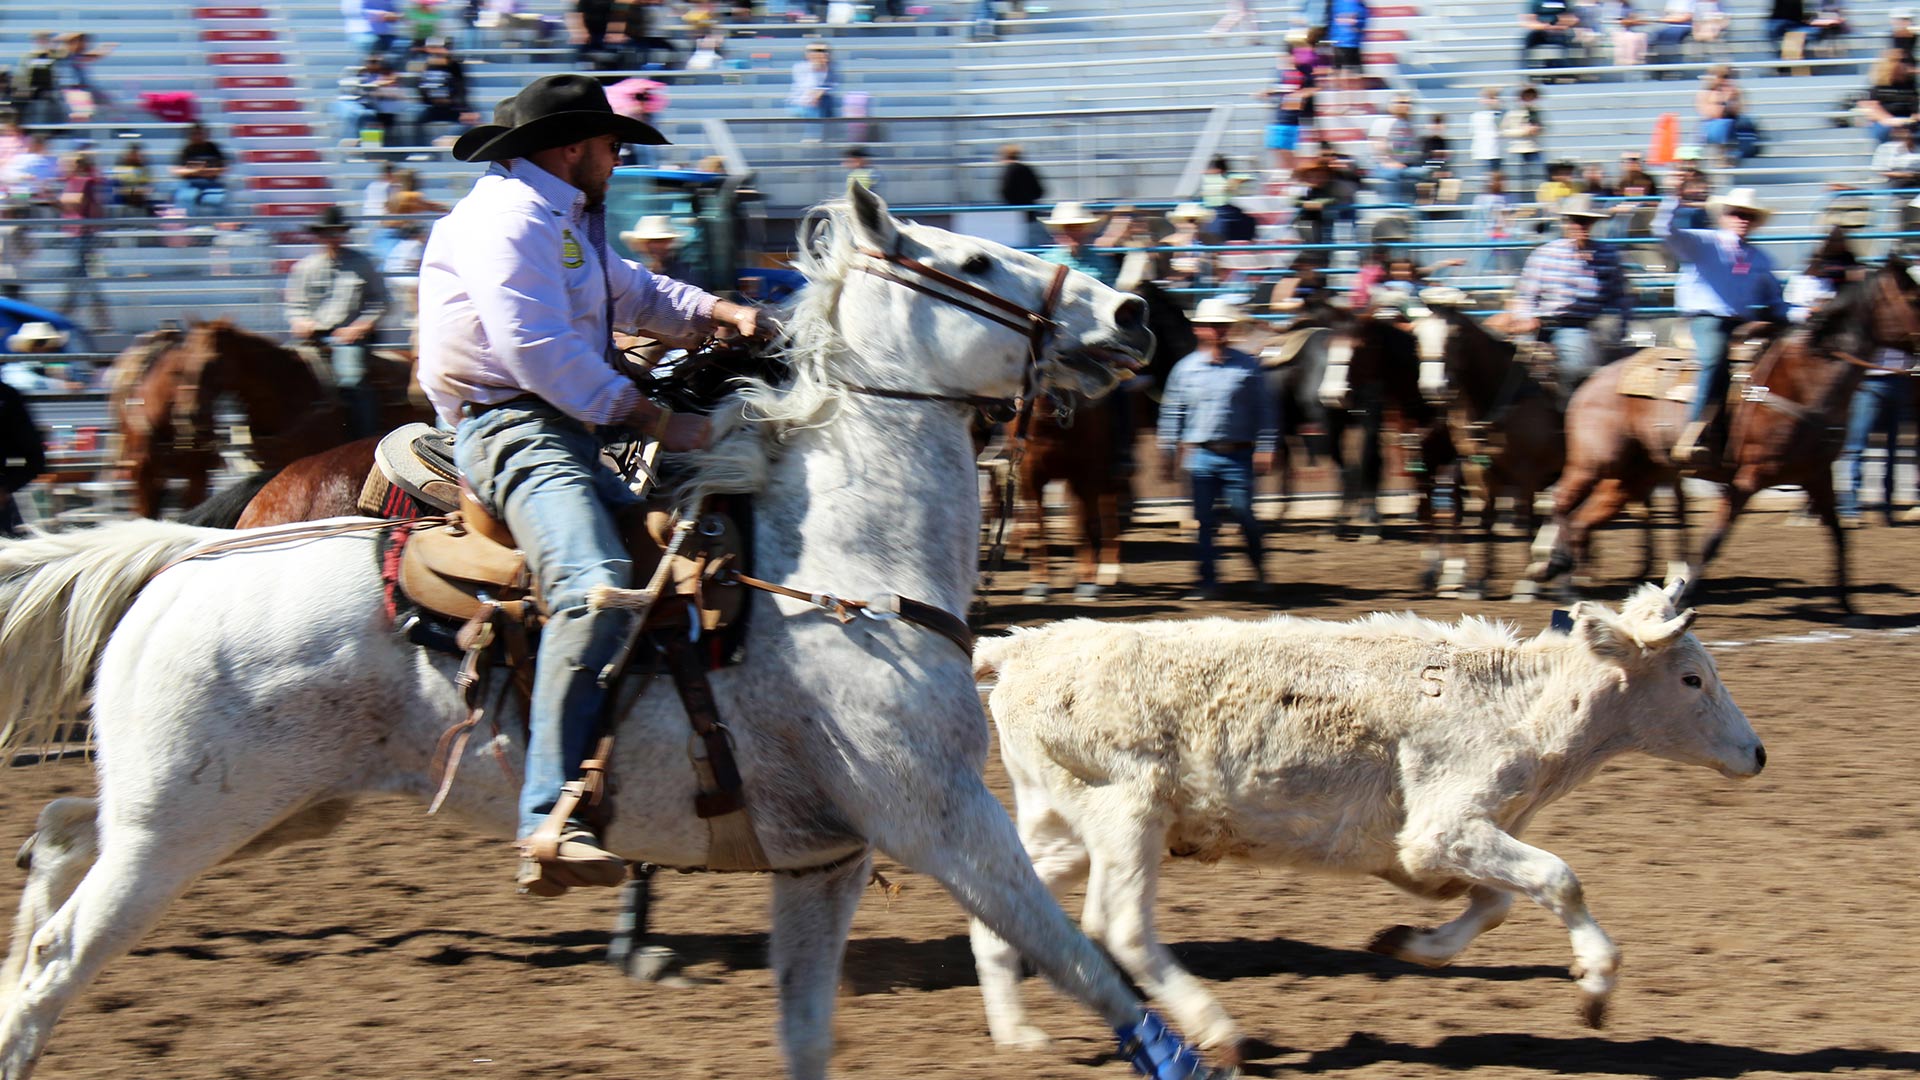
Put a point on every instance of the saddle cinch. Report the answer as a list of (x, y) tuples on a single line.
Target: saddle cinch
[(456, 568)]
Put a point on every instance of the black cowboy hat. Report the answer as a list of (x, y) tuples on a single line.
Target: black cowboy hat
[(555, 111), (329, 219), (477, 137)]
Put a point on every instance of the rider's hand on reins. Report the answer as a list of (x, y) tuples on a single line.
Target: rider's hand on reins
[(741, 319), (676, 432)]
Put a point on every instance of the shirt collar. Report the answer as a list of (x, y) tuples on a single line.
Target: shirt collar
[(562, 198)]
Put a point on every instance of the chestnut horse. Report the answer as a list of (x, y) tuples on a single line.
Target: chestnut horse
[(1373, 369), (1785, 428), (165, 413)]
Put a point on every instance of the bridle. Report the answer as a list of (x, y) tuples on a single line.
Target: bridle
[(1038, 326)]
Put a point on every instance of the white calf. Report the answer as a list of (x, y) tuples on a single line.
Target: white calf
[(1393, 746)]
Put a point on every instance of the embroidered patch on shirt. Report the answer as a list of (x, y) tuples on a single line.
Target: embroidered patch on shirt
[(571, 256)]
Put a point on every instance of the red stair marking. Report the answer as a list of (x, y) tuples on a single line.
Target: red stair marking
[(1386, 35), (237, 35), (1393, 11), (292, 209), (254, 82), (281, 157), (270, 131), (259, 105), (287, 183), (247, 58), (230, 13)]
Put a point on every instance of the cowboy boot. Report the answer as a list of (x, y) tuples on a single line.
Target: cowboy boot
[(1691, 451)]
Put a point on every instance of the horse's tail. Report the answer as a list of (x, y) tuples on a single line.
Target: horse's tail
[(61, 595)]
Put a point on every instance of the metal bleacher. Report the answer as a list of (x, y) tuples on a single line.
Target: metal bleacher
[(1110, 102)]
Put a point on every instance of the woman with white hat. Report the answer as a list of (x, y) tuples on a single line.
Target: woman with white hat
[(656, 240), (37, 337), (1220, 423), (1188, 267), (1725, 280)]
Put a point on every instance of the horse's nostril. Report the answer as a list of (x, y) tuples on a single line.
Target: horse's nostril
[(1131, 314), (1759, 758)]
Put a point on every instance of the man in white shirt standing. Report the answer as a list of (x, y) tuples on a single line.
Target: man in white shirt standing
[(519, 295)]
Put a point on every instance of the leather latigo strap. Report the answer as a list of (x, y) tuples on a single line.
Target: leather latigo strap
[(703, 715), (921, 614)]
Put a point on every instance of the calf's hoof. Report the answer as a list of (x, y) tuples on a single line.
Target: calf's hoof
[(1025, 1038)]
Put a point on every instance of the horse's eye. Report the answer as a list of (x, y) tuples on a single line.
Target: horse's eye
[(976, 264), (1691, 680)]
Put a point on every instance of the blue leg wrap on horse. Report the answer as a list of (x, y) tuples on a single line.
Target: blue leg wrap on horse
[(1156, 1051)]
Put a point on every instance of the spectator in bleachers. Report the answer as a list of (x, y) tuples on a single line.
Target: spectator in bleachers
[(1292, 92), (379, 189), (421, 20), (36, 94), (812, 93), (382, 22), (23, 454), (1725, 128), (1187, 267), (1483, 132), (860, 170), (699, 20), (133, 181), (442, 88), (1787, 17), (73, 74), (589, 22), (1493, 219), (1903, 34), (1347, 35), (32, 176), (1550, 24), (1218, 187), (644, 36), (1829, 20), (1634, 178), (1240, 15), (1566, 289), (1894, 99), (17, 246), (13, 139), (1559, 185), (1622, 26), (1020, 185), (81, 189), (1896, 162), (336, 298), (1594, 181), (1314, 198), (1675, 28), (201, 170), (1523, 127), (1395, 153)]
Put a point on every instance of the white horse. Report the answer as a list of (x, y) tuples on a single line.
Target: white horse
[(247, 698)]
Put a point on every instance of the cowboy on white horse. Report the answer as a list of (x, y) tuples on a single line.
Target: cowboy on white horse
[(519, 295)]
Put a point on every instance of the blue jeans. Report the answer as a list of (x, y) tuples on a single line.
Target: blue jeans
[(539, 471), (1210, 477), (349, 363), (1576, 356), (1880, 405), (1711, 334), (199, 198)]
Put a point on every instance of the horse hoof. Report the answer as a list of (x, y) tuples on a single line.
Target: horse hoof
[(1593, 1010), (1035, 591), (1087, 590), (1525, 592), (653, 964)]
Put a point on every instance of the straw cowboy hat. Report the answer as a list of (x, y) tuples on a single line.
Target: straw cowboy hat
[(1069, 213), (1216, 311), (1190, 211), (1581, 205), (35, 337), (558, 110), (652, 227), (1741, 198)]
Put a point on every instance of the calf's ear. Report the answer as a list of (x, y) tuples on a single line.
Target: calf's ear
[(1600, 631)]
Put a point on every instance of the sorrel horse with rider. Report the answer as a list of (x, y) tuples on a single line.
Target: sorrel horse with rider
[(162, 393), (280, 662), (1784, 427)]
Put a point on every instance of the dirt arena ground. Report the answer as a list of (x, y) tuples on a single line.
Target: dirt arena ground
[(1768, 926)]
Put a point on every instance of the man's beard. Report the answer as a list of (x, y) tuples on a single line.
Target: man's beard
[(594, 189)]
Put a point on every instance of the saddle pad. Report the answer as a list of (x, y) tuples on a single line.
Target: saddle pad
[(1288, 345), (417, 459), (1660, 374)]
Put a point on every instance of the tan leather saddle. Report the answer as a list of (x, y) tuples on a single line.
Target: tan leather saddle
[(470, 560)]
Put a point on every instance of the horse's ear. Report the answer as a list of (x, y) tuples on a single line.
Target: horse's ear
[(873, 225)]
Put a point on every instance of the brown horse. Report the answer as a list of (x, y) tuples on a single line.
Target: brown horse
[(1785, 428), (1079, 451), (1506, 423), (165, 412)]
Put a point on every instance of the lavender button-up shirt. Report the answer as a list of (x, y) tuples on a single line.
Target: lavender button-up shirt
[(513, 302)]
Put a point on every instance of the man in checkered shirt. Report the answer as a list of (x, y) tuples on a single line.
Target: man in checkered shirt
[(1568, 284)]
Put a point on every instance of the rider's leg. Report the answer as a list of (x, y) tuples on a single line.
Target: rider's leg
[(1710, 341), (539, 471)]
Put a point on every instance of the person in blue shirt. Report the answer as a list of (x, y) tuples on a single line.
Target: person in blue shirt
[(1221, 424), (1347, 34), (1725, 280)]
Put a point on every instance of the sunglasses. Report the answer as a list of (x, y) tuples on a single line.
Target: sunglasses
[(1744, 215)]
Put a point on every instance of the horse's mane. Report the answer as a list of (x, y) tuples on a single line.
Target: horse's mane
[(1844, 314), (750, 426)]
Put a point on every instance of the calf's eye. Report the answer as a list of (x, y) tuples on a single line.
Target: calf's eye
[(976, 264), (1691, 680)]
